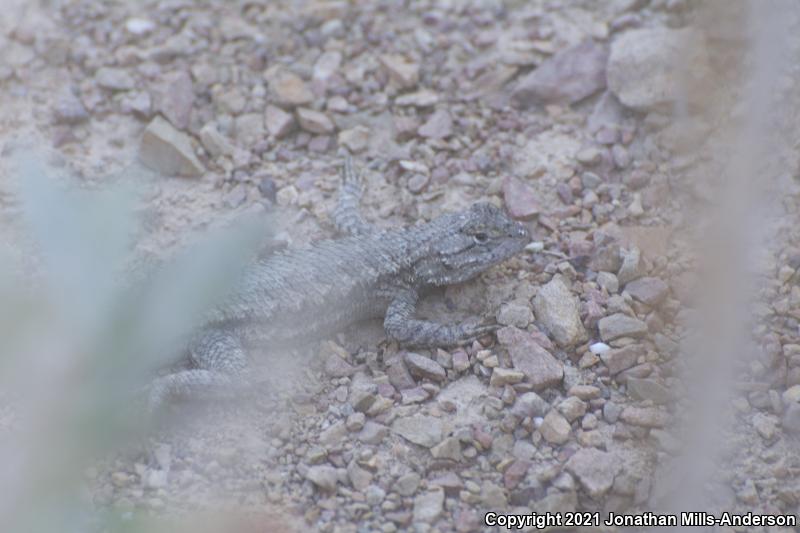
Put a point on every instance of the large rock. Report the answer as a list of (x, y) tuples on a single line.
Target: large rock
[(557, 309), (620, 325), (428, 506), (420, 429), (594, 469), (168, 151), (650, 68), (539, 366), (424, 367), (567, 77), (623, 358)]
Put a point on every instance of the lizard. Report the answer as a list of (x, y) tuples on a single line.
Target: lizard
[(317, 289)]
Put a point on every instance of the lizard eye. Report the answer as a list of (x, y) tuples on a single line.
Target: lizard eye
[(481, 238)]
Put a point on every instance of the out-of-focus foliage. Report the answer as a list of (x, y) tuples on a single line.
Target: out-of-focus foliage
[(81, 338)]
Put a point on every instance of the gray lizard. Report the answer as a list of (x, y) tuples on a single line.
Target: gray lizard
[(315, 290)]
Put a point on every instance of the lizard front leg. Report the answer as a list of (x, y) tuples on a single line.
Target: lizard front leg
[(221, 368), (401, 325), (346, 216)]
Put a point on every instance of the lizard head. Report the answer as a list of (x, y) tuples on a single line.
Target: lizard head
[(470, 242)]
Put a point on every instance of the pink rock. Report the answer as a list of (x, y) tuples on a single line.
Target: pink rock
[(520, 199)]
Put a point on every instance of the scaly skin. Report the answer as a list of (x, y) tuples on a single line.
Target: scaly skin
[(315, 290)]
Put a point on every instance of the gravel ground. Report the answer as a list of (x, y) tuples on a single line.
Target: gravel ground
[(564, 113)]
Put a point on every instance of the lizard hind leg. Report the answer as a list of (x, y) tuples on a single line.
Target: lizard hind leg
[(220, 370)]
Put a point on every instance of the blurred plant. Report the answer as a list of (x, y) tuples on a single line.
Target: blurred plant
[(80, 339)]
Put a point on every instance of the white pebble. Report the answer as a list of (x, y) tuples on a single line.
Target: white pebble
[(535, 246), (599, 347)]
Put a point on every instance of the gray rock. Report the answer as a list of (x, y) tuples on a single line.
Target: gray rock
[(449, 448), (68, 109), (438, 126), (420, 429), (324, 477), (555, 429), (520, 200), (373, 433), (289, 89), (620, 325), (355, 139), (611, 412), (424, 367), (608, 281), (515, 314), (648, 389), (569, 76), (645, 417), (250, 129), (539, 366), (791, 418), (114, 79), (572, 408), (649, 68), (557, 309), (530, 404), (407, 484), (174, 98), (168, 151), (413, 395), (314, 121), (277, 121), (403, 72), (649, 291), (428, 506), (214, 142), (632, 267), (594, 469), (359, 477), (621, 359)]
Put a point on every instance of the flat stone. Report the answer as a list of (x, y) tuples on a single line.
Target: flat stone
[(428, 506), (520, 199), (326, 65), (402, 72), (424, 367), (555, 429), (114, 79), (438, 126), (515, 314), (168, 151), (289, 89), (515, 473), (422, 430), (645, 417), (621, 359), (648, 389), (649, 291), (595, 470), (413, 395), (423, 98), (314, 121), (460, 360), (505, 376), (323, 476), (539, 366), (620, 325), (650, 68), (449, 448), (569, 76), (557, 309), (359, 477), (278, 122)]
